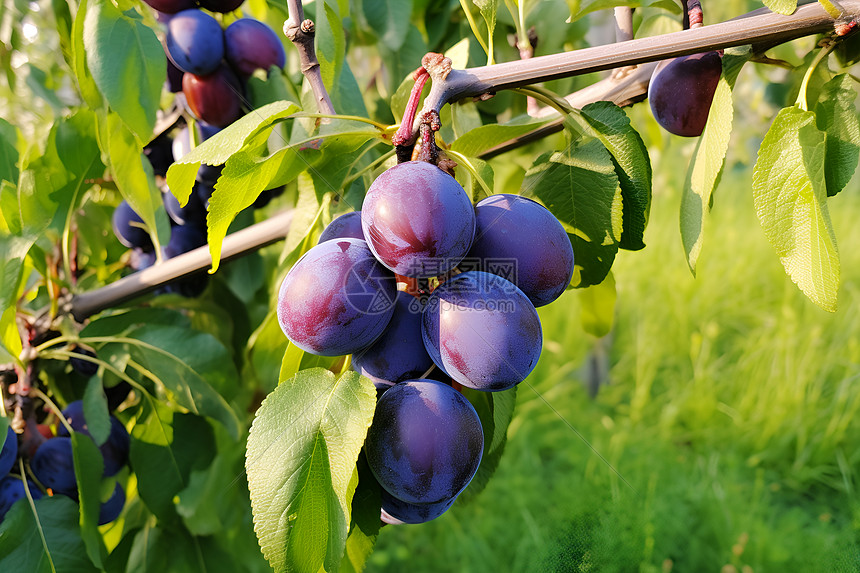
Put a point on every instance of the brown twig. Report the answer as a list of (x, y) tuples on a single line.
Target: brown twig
[(301, 33)]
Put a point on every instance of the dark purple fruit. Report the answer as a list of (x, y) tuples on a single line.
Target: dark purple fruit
[(399, 512), (681, 92), (539, 261), (214, 98), (418, 220), (347, 225), (222, 6), (337, 299), (174, 78), (208, 175), (171, 6), (398, 354), (111, 509), (252, 45), (129, 228), (193, 213), (159, 151), (54, 466), (266, 196), (12, 490), (9, 453), (482, 331), (425, 442), (84, 367), (195, 42)]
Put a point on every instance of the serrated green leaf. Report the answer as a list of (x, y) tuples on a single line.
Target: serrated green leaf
[(609, 124), (301, 467), (133, 176), (781, 6), (836, 116), (790, 195), (710, 157), (330, 42), (597, 307), (127, 63), (218, 148), (89, 466), (480, 139), (21, 547), (581, 189), (364, 529)]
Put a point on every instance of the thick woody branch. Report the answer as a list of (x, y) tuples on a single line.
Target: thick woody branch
[(301, 34), (758, 27)]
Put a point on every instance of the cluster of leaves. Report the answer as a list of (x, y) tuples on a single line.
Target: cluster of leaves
[(200, 373)]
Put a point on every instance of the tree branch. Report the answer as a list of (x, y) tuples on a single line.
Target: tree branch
[(301, 33)]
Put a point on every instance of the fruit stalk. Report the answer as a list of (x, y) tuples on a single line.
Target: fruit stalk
[(301, 33)]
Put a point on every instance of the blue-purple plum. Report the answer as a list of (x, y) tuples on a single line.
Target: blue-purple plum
[(337, 299), (520, 240), (398, 512), (12, 489), (251, 45), (482, 331), (398, 354), (111, 509), (160, 154), (195, 42), (193, 213), (174, 78), (114, 450), (9, 453), (681, 91), (417, 220), (82, 366), (54, 466), (215, 98), (425, 442), (129, 228), (346, 226)]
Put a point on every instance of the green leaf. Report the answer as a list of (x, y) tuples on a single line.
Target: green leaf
[(387, 18), (790, 195), (582, 7), (86, 84), (8, 152), (836, 116), (301, 467), (496, 410), (217, 149), (188, 364), (127, 62), (165, 447), (608, 123), (330, 42), (597, 311), (96, 411), (21, 538), (89, 466), (364, 529), (488, 10), (14, 251), (781, 6), (581, 189), (480, 139), (133, 176), (709, 159)]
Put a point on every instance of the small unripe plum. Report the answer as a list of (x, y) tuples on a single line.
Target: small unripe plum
[(195, 42), (681, 92), (251, 45), (215, 98)]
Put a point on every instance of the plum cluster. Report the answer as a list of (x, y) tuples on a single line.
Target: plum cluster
[(210, 66), (52, 463), (422, 284)]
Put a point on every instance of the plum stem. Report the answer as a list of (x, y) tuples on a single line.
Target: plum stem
[(404, 138), (693, 15), (301, 33)]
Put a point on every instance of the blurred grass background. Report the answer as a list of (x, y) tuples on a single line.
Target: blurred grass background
[(730, 409)]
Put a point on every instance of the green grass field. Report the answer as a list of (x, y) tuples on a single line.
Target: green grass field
[(726, 437)]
